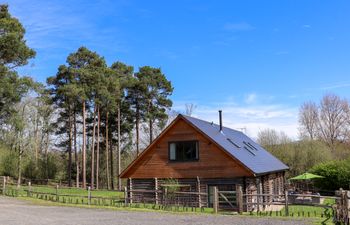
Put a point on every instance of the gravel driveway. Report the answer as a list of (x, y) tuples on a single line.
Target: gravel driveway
[(18, 212)]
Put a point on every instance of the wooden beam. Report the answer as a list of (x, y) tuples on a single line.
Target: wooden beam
[(215, 199)]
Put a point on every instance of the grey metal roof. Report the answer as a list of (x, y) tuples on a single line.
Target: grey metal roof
[(240, 146)]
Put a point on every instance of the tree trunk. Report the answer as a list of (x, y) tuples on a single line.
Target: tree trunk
[(150, 131), (98, 147), (84, 147), (111, 158), (93, 151), (137, 129), (36, 134), (76, 150), (20, 151), (118, 149), (47, 155), (69, 172), (19, 165), (107, 159)]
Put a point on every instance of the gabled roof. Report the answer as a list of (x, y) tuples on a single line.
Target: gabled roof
[(235, 143), (239, 146)]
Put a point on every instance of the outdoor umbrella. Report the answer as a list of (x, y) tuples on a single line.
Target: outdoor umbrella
[(306, 177)]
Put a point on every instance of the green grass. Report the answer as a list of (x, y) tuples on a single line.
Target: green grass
[(113, 199), (22, 191), (129, 207)]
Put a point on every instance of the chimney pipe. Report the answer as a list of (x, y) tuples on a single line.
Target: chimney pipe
[(220, 119)]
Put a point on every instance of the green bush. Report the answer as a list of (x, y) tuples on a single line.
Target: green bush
[(9, 164), (336, 173)]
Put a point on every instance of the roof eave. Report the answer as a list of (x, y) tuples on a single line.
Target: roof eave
[(272, 171)]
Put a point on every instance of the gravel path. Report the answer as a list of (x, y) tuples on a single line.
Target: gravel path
[(17, 212)]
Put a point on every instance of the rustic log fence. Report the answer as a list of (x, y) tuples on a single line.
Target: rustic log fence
[(235, 201), (342, 207)]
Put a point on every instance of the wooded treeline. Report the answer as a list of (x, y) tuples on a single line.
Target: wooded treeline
[(83, 125), (324, 142)]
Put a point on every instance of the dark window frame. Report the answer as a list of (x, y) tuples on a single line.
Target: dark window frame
[(190, 160)]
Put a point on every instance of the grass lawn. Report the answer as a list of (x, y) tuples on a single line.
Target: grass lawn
[(22, 191), (114, 200)]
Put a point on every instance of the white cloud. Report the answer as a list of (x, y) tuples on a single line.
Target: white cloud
[(253, 117), (250, 98), (306, 26), (49, 24), (242, 26), (337, 85)]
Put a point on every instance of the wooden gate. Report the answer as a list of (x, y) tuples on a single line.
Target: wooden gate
[(227, 200)]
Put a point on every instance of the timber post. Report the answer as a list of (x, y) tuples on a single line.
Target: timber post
[(89, 195), (286, 202), (199, 192), (130, 190), (165, 196), (57, 193), (156, 190), (239, 198), (4, 186), (125, 196), (215, 199), (257, 183), (29, 193)]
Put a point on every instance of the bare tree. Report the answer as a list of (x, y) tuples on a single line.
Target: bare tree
[(308, 120), (332, 120), (268, 137), (189, 109)]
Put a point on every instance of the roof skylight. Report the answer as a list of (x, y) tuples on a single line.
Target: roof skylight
[(236, 145)]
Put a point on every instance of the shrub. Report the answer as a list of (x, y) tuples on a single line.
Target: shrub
[(336, 173)]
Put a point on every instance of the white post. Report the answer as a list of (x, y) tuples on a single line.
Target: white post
[(199, 192), (89, 195), (4, 186), (29, 189), (156, 190), (57, 193)]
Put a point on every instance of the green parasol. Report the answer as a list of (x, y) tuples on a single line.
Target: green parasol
[(306, 176)]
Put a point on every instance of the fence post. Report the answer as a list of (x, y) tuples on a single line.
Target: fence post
[(286, 202), (4, 186), (125, 196), (89, 195), (239, 198), (165, 196), (215, 199), (199, 192), (57, 193), (156, 190), (130, 190), (29, 193), (347, 206)]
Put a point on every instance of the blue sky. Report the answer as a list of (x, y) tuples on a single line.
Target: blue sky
[(256, 60)]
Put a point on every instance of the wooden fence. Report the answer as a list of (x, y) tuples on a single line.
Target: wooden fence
[(221, 200), (342, 207), (165, 197)]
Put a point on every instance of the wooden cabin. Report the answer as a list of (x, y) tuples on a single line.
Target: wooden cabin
[(200, 155)]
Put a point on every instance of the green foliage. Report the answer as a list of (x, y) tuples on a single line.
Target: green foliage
[(172, 185), (300, 156), (13, 53), (13, 49), (45, 168), (8, 164), (336, 173)]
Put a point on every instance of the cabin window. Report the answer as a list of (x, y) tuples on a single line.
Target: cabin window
[(183, 151)]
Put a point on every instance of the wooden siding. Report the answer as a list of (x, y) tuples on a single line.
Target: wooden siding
[(213, 162)]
